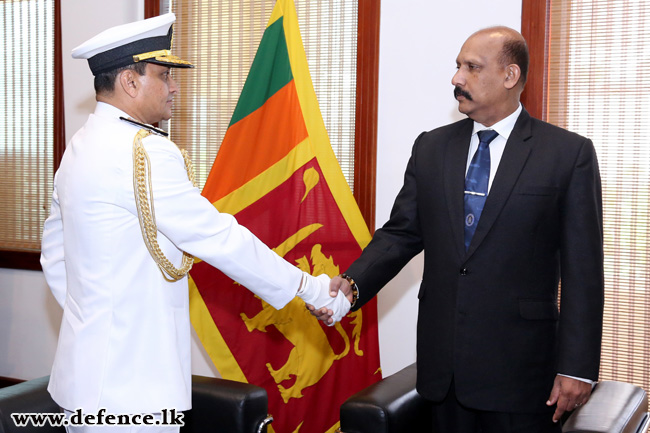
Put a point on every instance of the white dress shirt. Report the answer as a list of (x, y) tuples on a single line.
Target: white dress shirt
[(503, 127)]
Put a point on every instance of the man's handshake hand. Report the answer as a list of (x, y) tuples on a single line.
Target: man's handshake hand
[(338, 288)]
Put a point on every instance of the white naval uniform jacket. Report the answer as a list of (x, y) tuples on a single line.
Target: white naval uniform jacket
[(124, 342)]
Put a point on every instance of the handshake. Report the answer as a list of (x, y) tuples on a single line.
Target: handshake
[(328, 300)]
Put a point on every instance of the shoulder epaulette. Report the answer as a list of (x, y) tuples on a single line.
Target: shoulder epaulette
[(148, 127)]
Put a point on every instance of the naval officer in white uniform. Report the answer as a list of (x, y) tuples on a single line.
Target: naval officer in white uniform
[(125, 223)]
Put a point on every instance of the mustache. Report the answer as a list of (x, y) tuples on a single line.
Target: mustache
[(460, 92)]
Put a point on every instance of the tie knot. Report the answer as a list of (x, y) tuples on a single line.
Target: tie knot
[(486, 136)]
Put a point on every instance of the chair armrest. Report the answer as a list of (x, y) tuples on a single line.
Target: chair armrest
[(27, 397), (388, 406), (220, 405), (614, 407)]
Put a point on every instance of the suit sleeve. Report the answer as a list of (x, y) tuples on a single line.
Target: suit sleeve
[(52, 253), (582, 275), (394, 244), (194, 225)]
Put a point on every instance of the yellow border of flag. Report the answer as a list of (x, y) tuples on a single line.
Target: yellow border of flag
[(317, 144)]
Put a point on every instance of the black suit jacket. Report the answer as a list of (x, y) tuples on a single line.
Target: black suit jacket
[(488, 317)]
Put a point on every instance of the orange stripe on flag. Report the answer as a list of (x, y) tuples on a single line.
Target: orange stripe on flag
[(270, 132)]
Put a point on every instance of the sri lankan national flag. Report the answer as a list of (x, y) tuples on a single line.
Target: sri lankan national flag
[(277, 173)]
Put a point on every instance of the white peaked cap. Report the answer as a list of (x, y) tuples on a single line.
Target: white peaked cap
[(148, 40)]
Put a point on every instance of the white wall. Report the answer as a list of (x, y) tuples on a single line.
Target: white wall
[(419, 41), (29, 324)]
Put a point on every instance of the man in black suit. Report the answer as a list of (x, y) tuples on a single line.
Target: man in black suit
[(493, 352)]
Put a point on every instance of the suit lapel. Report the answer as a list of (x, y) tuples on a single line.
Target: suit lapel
[(514, 158), (455, 164)]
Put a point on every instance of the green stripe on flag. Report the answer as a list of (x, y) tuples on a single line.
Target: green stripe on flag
[(270, 72)]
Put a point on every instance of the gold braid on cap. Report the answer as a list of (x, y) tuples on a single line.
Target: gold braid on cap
[(146, 214), (161, 56)]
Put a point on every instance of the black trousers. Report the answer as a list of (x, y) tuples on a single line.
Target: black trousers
[(449, 416)]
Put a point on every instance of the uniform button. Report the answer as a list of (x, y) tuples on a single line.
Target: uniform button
[(463, 271)]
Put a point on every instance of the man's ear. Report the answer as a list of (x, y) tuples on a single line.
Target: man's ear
[(128, 80), (513, 74)]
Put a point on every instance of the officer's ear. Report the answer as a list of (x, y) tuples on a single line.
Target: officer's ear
[(513, 74), (128, 81)]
